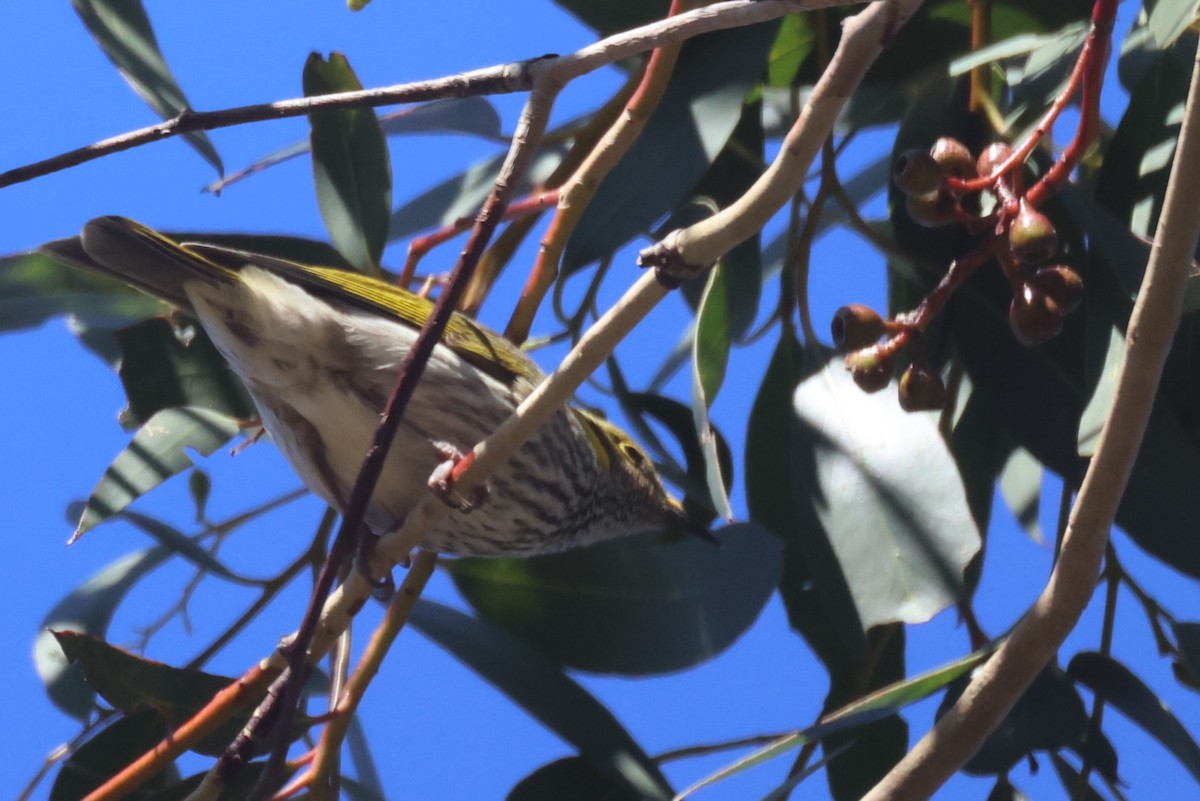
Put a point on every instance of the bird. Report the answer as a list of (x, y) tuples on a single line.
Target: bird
[(319, 349)]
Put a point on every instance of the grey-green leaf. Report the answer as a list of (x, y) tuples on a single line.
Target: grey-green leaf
[(88, 608), (124, 33), (888, 495), (158, 451), (631, 606), (351, 166), (1120, 688)]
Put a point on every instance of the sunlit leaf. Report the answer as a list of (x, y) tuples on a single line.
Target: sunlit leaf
[(889, 497)]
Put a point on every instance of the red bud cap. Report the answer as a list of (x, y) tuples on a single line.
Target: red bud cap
[(953, 157), (1061, 284), (916, 173), (933, 210), (921, 389), (1032, 238), (855, 327), (1033, 316), (992, 157)]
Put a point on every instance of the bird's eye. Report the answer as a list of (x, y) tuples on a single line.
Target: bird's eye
[(633, 453)]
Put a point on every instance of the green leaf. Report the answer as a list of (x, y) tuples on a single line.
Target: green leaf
[(791, 48), (89, 609), (113, 748), (571, 778), (1049, 716), (733, 172), (35, 288), (1021, 486), (769, 483), (163, 368), (133, 685), (710, 358), (200, 488), (180, 544), (888, 495), (1170, 18), (351, 166), (1112, 345), (1160, 499), (695, 118), (1124, 691), (1187, 634), (633, 606), (545, 692), (1137, 161), (124, 33), (158, 452), (876, 706)]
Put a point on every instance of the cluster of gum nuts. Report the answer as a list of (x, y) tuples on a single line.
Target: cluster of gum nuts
[(1043, 294)]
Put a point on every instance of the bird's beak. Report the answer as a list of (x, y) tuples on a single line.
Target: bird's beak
[(679, 520)]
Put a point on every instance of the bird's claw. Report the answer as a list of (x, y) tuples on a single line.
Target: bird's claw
[(441, 481)]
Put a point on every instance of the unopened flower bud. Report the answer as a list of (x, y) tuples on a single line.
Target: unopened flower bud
[(1032, 238), (921, 389), (916, 173), (1033, 316), (953, 157)]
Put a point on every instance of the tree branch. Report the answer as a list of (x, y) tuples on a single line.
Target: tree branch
[(500, 79)]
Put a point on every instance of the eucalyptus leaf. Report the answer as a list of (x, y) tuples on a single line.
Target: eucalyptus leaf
[(110, 750), (574, 778), (124, 33), (1121, 689), (89, 608), (133, 684), (710, 359), (888, 495), (1169, 19), (163, 367), (632, 606), (351, 166), (35, 288), (157, 452)]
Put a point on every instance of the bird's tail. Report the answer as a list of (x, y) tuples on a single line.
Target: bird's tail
[(141, 257)]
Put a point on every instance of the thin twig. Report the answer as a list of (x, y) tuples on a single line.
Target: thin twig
[(1001, 681), (500, 79), (863, 38)]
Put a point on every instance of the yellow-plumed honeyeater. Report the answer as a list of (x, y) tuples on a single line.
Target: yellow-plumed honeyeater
[(319, 349)]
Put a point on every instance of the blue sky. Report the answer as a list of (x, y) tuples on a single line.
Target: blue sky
[(439, 731)]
